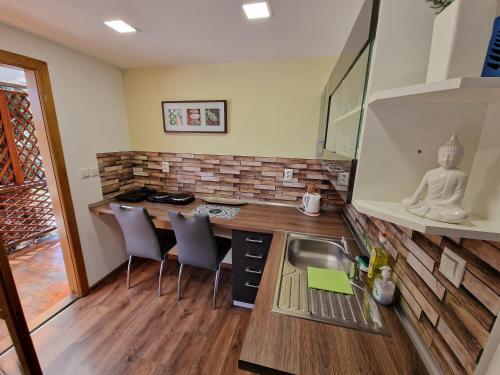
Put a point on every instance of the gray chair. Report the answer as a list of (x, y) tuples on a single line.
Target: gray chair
[(197, 246), (142, 239)]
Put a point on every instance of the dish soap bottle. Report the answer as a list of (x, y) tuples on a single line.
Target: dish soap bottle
[(384, 287), (378, 258)]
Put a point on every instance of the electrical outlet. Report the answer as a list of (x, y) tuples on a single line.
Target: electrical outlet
[(452, 267), (84, 173), (288, 175), (343, 178), (94, 172), (165, 167)]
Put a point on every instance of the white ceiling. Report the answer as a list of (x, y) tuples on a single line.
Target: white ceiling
[(187, 31)]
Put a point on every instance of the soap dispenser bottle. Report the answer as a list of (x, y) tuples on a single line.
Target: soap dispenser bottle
[(384, 287), (379, 258)]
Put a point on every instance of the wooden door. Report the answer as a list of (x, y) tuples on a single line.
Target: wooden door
[(45, 120), (12, 312)]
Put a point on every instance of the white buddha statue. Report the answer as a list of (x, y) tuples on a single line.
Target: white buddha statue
[(445, 187)]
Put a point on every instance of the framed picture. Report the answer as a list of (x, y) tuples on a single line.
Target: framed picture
[(195, 116)]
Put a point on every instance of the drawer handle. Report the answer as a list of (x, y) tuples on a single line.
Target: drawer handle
[(251, 285), (254, 256), (254, 240), (257, 272)]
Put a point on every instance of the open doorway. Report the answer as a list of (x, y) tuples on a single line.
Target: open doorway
[(27, 222), (37, 220)]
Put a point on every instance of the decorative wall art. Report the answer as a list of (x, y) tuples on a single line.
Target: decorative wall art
[(195, 116)]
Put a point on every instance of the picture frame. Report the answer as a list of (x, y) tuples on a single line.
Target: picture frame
[(194, 116)]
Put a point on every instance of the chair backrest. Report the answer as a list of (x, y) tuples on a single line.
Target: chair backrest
[(139, 231), (196, 244)]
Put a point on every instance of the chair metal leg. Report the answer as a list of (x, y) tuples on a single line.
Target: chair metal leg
[(159, 277), (128, 270), (179, 282), (216, 286)]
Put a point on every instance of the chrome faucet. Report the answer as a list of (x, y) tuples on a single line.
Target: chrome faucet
[(345, 248)]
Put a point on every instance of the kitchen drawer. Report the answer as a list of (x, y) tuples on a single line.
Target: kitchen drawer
[(249, 256), (250, 245), (252, 239), (243, 273), (245, 287), (253, 267), (250, 252)]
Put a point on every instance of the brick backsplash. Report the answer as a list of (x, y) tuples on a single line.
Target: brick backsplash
[(250, 178), (116, 172), (454, 323)]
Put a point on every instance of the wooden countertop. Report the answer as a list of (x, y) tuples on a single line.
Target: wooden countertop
[(277, 343), (252, 217)]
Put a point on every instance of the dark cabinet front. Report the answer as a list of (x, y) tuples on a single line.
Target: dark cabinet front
[(250, 251)]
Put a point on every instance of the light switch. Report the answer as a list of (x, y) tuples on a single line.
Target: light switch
[(94, 172), (288, 175), (165, 167), (84, 173), (452, 267), (343, 178)]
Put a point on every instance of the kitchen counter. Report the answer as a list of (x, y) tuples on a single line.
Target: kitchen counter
[(252, 217), (277, 343)]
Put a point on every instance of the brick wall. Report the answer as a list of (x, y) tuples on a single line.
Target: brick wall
[(250, 178), (116, 173), (454, 323)]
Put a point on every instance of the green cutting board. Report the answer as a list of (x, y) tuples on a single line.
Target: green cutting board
[(330, 280)]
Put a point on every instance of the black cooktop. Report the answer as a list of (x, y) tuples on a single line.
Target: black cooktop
[(135, 196), (155, 197), (171, 198)]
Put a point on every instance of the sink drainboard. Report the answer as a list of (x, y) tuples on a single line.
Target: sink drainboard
[(293, 297)]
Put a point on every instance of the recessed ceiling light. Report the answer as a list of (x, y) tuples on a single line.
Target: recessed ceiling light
[(257, 10), (120, 26)]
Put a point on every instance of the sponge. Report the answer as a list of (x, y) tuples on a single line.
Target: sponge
[(363, 262)]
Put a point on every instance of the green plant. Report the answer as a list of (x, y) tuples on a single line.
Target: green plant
[(439, 5)]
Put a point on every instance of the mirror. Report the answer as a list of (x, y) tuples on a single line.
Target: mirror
[(345, 109)]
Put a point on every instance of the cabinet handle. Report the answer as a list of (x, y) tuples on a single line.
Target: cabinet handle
[(251, 285), (254, 240), (254, 256), (257, 272)]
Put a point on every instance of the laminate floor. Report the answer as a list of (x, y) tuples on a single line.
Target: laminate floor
[(118, 331), (41, 283)]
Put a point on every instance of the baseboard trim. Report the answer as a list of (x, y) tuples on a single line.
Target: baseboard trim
[(243, 304), (109, 276)]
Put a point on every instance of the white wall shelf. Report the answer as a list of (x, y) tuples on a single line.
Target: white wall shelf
[(406, 121), (456, 90), (394, 213)]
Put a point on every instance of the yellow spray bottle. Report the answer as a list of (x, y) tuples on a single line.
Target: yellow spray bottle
[(379, 258)]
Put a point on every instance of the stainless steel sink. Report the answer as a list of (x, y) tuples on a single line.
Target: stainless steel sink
[(293, 297), (303, 252)]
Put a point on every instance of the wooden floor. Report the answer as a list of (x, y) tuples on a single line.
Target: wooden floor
[(41, 283), (120, 331)]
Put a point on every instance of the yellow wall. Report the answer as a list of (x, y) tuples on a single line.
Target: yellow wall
[(273, 107)]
